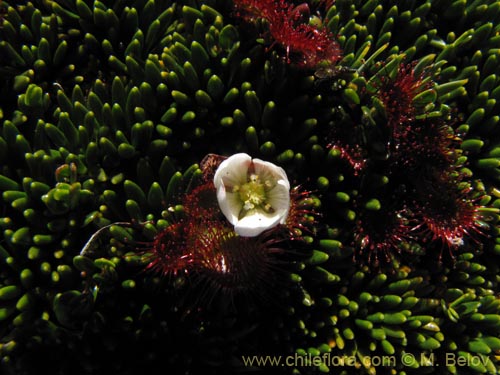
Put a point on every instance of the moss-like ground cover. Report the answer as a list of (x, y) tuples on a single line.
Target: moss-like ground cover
[(107, 109)]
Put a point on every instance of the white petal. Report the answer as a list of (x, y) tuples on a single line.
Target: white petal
[(279, 199), (267, 170), (230, 204), (279, 196), (254, 224), (232, 171)]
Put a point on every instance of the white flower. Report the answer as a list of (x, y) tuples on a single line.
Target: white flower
[(254, 195)]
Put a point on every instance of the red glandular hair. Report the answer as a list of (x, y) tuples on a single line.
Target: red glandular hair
[(398, 96), (378, 235), (304, 44), (445, 213), (168, 253), (424, 147), (302, 214), (352, 155), (230, 263), (202, 202)]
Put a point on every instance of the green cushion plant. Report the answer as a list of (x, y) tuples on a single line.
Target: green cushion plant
[(108, 111)]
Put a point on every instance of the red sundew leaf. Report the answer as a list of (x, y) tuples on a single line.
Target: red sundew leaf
[(446, 215), (309, 44), (169, 253), (425, 146), (398, 96), (250, 10), (230, 264), (202, 202), (209, 165), (352, 155), (379, 235), (304, 44)]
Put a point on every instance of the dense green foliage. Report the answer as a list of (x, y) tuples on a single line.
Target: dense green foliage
[(108, 107)]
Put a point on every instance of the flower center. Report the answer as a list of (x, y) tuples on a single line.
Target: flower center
[(253, 193)]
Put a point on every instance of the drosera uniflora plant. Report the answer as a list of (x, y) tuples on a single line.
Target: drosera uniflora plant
[(209, 245), (423, 197)]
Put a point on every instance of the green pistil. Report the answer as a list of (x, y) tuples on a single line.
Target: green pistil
[(253, 194)]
